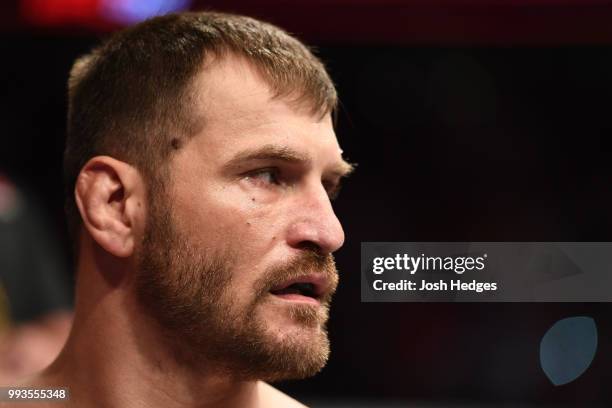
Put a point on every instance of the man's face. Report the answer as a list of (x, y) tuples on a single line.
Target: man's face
[(236, 262)]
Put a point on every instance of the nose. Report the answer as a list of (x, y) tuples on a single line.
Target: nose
[(315, 223)]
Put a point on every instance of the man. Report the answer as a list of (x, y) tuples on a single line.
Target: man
[(203, 159)]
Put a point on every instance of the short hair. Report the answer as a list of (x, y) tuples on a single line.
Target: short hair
[(132, 97)]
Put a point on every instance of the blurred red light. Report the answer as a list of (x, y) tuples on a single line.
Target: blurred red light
[(54, 12)]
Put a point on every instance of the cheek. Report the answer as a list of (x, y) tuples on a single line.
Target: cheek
[(228, 216)]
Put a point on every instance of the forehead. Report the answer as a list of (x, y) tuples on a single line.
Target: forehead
[(239, 109)]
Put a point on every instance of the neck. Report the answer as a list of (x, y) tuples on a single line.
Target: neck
[(116, 357)]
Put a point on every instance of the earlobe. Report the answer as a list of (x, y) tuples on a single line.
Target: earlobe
[(104, 190)]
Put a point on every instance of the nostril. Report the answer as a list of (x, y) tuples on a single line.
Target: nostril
[(310, 246), (318, 233)]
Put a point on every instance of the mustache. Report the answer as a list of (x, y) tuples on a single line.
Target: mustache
[(307, 263)]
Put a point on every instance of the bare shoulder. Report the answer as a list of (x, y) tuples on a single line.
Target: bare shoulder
[(273, 398)]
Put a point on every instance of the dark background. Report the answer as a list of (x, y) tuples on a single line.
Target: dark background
[(468, 121)]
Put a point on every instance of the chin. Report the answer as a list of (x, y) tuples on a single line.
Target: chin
[(295, 349)]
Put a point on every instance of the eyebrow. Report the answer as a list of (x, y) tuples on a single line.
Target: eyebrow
[(285, 154)]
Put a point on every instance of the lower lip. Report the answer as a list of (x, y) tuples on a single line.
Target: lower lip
[(294, 297)]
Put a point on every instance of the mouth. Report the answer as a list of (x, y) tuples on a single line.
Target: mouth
[(306, 289)]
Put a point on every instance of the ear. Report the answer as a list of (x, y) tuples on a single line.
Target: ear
[(110, 195)]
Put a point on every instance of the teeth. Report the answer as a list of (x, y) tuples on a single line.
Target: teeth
[(291, 290)]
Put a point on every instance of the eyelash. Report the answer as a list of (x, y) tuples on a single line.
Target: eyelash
[(331, 188)]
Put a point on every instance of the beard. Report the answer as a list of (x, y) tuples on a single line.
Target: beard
[(188, 290)]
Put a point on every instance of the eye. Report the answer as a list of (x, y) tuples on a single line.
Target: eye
[(265, 176)]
